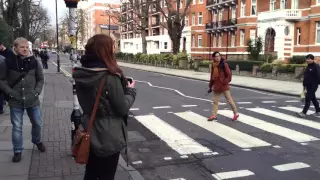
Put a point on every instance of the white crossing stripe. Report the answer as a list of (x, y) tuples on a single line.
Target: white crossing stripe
[(176, 139), (268, 102), (244, 102), (295, 109), (134, 109), (291, 166), (271, 128), (232, 174), (178, 179), (286, 117), (161, 107), (232, 135), (189, 105), (292, 101)]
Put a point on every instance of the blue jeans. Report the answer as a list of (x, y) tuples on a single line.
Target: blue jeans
[(16, 115)]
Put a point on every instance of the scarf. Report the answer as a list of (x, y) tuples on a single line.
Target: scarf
[(92, 61), (215, 67)]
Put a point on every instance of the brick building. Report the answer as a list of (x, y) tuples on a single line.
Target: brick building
[(287, 27), (101, 18)]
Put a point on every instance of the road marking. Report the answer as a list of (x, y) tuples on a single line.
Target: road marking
[(210, 154), (176, 139), (291, 166), (222, 103), (178, 179), (271, 128), (189, 105), (232, 174), (161, 107), (137, 162), (167, 158), (268, 102), (232, 135), (180, 93), (310, 106), (286, 117), (184, 156), (292, 101), (134, 109), (246, 149), (295, 109), (244, 102), (65, 72), (277, 146)]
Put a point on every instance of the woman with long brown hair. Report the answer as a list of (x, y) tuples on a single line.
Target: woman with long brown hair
[(109, 131)]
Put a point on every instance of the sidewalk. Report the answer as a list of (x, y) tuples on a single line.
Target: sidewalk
[(269, 85), (56, 163)]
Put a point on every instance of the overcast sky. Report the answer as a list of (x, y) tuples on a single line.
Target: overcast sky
[(51, 6)]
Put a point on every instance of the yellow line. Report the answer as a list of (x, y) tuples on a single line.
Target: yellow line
[(65, 72)]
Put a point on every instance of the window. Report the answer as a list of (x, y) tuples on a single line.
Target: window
[(233, 39), (242, 37), (193, 1), (283, 4), (165, 45), (187, 21), (137, 46), (200, 1), (243, 8), (220, 40), (318, 1), (318, 33), (298, 36), (273, 5), (193, 18), (193, 41), (214, 43), (296, 4), (254, 7), (252, 34), (200, 18), (199, 40), (234, 12)]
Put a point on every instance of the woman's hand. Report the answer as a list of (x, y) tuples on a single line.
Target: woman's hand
[(131, 85)]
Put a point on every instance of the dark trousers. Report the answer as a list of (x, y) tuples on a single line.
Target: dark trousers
[(311, 97), (44, 63), (101, 168), (1, 101)]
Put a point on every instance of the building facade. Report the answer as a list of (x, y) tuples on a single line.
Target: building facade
[(101, 18), (287, 27)]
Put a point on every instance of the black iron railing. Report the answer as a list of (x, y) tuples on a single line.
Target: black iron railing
[(221, 24)]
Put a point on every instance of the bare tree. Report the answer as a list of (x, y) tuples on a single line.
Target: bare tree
[(175, 15), (136, 18)]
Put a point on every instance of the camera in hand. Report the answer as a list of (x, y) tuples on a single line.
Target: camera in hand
[(129, 79)]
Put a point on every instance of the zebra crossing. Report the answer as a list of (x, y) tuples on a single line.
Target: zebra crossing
[(177, 131)]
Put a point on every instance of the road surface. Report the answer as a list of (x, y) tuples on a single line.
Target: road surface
[(170, 138)]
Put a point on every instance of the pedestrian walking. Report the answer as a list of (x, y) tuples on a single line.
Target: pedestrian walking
[(44, 58), (2, 59), (6, 52), (220, 78), (109, 131), (311, 82), (21, 79)]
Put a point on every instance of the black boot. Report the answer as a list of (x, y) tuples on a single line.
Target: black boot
[(16, 157), (41, 147)]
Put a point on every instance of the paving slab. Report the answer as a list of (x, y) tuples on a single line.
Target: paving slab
[(8, 168)]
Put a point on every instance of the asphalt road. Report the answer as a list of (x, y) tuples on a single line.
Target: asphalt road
[(169, 137)]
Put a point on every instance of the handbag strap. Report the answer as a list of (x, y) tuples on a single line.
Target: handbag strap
[(95, 107)]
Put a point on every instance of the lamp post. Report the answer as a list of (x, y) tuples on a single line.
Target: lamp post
[(76, 114), (57, 34)]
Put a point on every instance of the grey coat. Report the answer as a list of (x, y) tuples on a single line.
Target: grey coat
[(25, 93)]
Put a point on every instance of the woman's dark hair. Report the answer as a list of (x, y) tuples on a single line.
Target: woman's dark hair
[(215, 53), (310, 56), (102, 45)]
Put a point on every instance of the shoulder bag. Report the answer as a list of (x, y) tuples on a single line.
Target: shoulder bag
[(81, 145)]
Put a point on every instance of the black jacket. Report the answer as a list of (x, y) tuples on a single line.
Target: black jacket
[(7, 53), (109, 132), (311, 75)]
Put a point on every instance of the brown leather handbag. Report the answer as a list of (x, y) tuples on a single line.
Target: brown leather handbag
[(81, 145)]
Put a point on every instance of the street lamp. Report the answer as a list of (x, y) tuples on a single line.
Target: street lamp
[(76, 113), (57, 29)]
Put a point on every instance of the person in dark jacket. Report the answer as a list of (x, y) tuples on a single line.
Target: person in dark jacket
[(6, 52), (2, 58), (219, 79), (310, 85), (21, 79), (109, 132)]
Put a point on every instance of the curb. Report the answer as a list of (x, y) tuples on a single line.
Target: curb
[(235, 85)]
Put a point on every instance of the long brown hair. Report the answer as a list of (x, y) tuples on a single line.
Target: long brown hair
[(102, 45)]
